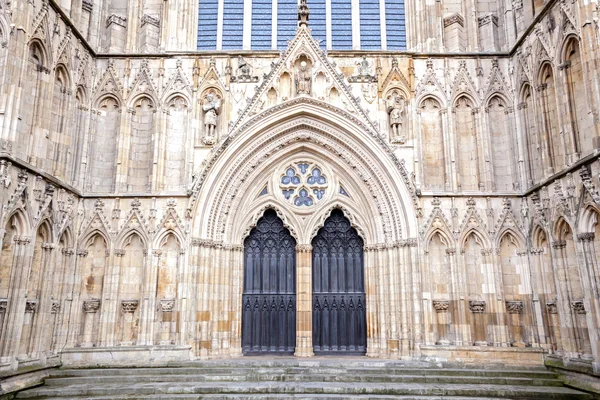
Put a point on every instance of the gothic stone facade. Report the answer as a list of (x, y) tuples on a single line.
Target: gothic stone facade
[(130, 177)]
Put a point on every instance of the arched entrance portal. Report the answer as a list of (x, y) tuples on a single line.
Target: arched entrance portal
[(269, 296), (339, 314)]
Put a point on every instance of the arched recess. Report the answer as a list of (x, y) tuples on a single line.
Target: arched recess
[(501, 143), (60, 145), (381, 199), (82, 121), (438, 277), (580, 117), (103, 145), (33, 91), (433, 151), (532, 135), (553, 148), (544, 284), (174, 145), (467, 142), (572, 280), (141, 145)]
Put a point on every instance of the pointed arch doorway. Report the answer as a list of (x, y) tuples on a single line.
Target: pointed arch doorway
[(339, 313), (269, 294)]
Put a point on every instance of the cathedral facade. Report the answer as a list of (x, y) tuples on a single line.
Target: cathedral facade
[(162, 204)]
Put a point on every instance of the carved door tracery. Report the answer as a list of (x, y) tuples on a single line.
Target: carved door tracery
[(269, 296), (339, 314)]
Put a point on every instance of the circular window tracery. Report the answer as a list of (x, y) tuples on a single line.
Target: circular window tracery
[(303, 184)]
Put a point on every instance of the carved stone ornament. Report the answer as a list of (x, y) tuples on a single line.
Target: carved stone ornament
[(243, 73), (364, 73), (396, 108), (303, 79), (55, 308), (129, 306), (578, 307), (3, 305), (31, 306), (551, 307), (167, 305), (441, 306), (91, 306), (211, 108), (514, 306), (477, 306)]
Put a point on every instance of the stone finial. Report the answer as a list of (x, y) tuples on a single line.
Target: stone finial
[(303, 13)]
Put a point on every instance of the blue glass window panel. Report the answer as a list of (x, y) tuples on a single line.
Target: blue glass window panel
[(395, 24), (262, 13), (233, 22), (303, 199), (370, 25), (207, 25), (317, 20), (287, 21), (341, 24)]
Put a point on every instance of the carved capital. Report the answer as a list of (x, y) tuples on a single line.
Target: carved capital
[(578, 307), (167, 305), (304, 248), (82, 253), (3, 305), (441, 306), (477, 306), (129, 306), (586, 237), (68, 252), (551, 307), (157, 253), (91, 306), (451, 252), (559, 244), (31, 306), (514, 306), (119, 252), (55, 308)]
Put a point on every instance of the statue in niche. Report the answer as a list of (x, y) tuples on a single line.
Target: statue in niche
[(303, 79), (211, 109), (363, 72), (364, 69), (396, 108), (243, 73)]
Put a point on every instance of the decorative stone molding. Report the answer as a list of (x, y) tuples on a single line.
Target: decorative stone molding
[(559, 244), (3, 305), (578, 307), (119, 252), (68, 252), (91, 306), (82, 253), (129, 306), (87, 5), (48, 246), (167, 305), (55, 308), (452, 19), (31, 306), (22, 240), (117, 20), (477, 306), (514, 306), (441, 306), (157, 253), (551, 307), (451, 252)]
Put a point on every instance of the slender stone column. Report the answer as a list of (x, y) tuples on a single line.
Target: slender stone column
[(304, 345), (90, 307)]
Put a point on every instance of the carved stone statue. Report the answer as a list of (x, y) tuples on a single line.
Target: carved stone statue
[(396, 108), (303, 79), (364, 69), (211, 109)]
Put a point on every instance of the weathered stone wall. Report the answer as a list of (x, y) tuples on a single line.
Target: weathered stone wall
[(129, 182)]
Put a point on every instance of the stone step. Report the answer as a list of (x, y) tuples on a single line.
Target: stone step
[(262, 377), (534, 374), (281, 397), (168, 389)]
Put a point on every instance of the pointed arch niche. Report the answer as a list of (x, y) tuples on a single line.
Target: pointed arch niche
[(376, 198)]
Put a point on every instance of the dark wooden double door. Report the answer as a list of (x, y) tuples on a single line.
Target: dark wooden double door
[(269, 296)]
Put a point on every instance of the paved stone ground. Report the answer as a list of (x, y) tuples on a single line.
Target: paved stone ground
[(318, 378)]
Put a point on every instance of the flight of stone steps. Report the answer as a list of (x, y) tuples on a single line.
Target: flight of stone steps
[(318, 378)]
